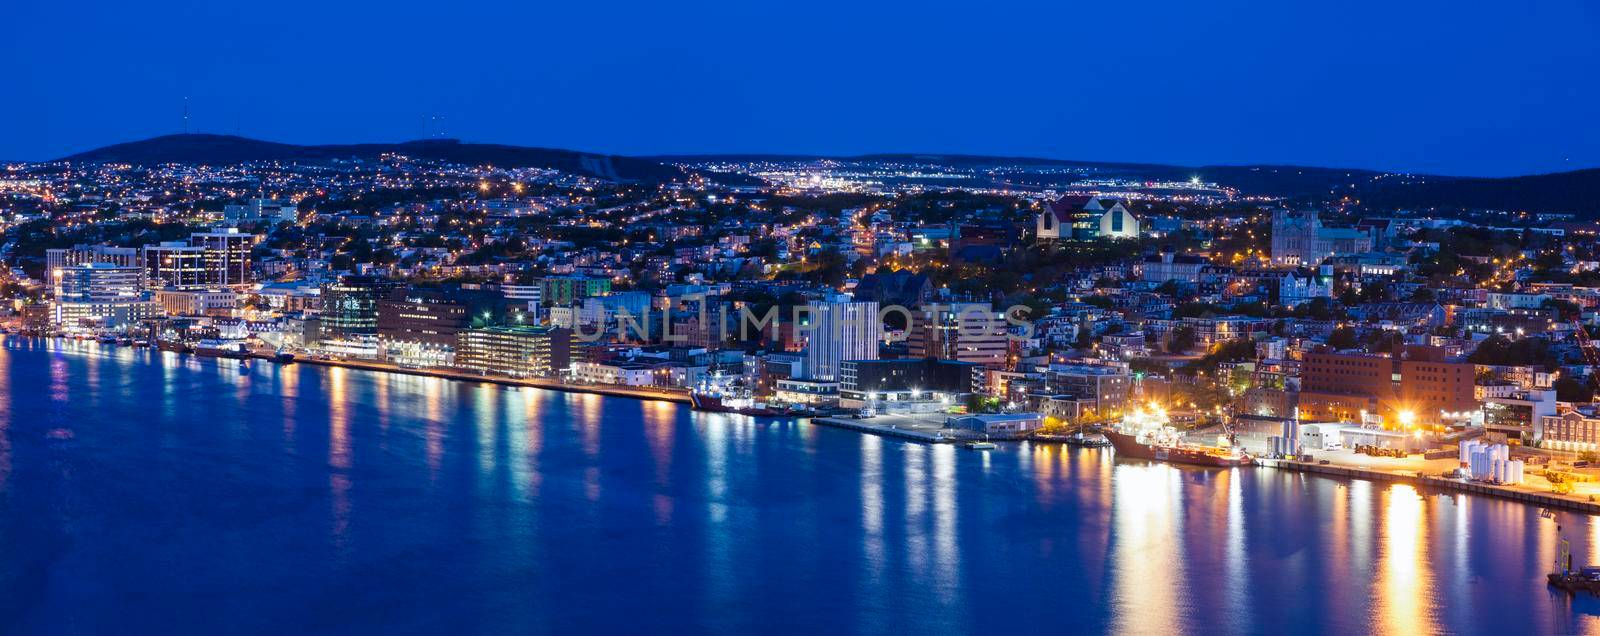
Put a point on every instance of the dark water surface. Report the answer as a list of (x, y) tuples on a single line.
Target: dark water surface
[(149, 492)]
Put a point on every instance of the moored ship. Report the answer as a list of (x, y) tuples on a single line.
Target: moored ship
[(1145, 435), (718, 396), (214, 348), (176, 346), (714, 403)]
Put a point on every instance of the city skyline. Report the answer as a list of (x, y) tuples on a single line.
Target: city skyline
[(727, 318), (1370, 86)]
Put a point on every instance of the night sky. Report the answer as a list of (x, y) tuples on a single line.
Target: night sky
[(1452, 87)]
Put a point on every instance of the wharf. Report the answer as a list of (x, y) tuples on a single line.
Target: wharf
[(1546, 500), (921, 430), (640, 393)]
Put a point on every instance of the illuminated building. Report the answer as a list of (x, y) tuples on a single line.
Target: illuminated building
[(906, 385), (175, 264), (197, 302), (565, 290), (95, 297), (1344, 386), (836, 330), (1299, 239), (350, 314), (269, 210), (968, 332), (422, 327), (515, 351), (57, 258), (1086, 218), (227, 255)]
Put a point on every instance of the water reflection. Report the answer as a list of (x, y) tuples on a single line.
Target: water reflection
[(1149, 570), (498, 510), (5, 416), (1405, 587), (339, 454)]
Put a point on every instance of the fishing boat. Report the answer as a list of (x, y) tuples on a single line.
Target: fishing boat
[(1145, 434), (980, 446)]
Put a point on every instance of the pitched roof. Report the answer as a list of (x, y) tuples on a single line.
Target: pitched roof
[(1065, 207)]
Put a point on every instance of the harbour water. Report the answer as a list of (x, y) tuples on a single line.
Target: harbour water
[(143, 491)]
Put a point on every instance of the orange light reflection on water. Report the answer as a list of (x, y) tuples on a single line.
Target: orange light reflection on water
[(1405, 585)]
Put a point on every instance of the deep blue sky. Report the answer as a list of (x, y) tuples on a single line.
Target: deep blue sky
[(1444, 86)]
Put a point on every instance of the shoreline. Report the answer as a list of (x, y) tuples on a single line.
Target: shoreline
[(1543, 500), (637, 393), (1546, 500)]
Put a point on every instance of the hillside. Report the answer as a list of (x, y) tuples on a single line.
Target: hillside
[(227, 149), (1284, 181), (1576, 191)]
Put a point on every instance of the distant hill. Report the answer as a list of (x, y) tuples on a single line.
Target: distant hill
[(228, 149), (1577, 191), (1281, 181)]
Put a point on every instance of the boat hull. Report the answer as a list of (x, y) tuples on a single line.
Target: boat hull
[(713, 404), (175, 347), (206, 352), (1128, 447)]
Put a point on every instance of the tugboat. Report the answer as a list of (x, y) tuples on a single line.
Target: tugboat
[(1144, 434)]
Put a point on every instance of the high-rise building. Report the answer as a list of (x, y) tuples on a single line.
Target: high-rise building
[(57, 258), (227, 255), (100, 297), (839, 329), (175, 264), (969, 332), (350, 306)]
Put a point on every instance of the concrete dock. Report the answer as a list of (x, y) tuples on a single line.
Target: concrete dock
[(931, 431), (636, 392), (1546, 500)]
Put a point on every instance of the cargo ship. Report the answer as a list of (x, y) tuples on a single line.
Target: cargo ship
[(1145, 435)]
